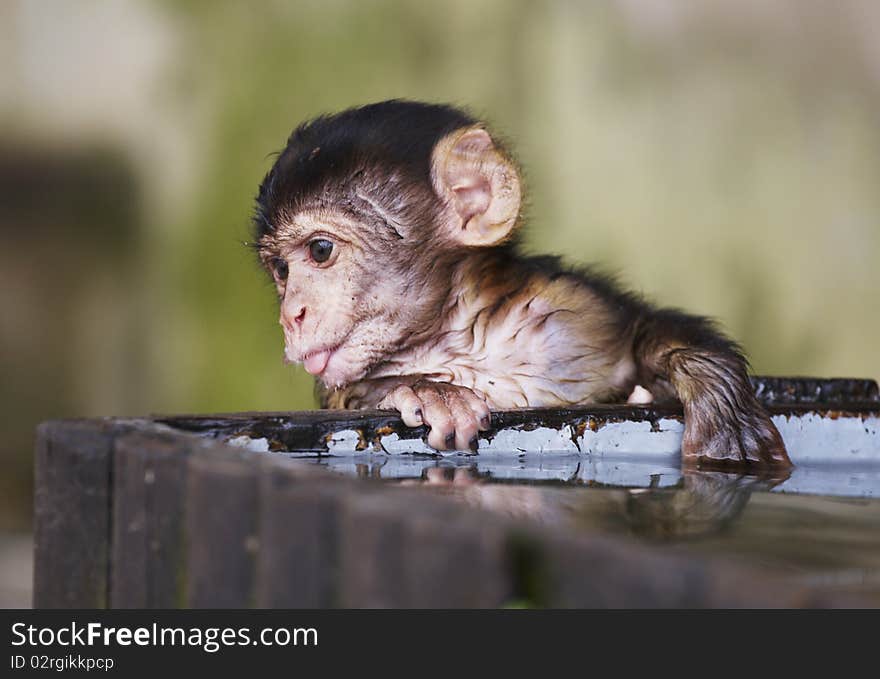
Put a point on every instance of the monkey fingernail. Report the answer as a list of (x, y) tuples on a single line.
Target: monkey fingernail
[(417, 413), (450, 440), (473, 444)]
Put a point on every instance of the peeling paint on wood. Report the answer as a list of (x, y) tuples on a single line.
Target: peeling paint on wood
[(609, 444), (811, 434)]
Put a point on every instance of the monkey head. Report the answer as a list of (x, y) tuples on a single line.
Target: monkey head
[(361, 220)]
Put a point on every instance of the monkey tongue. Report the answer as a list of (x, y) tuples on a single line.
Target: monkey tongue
[(315, 363)]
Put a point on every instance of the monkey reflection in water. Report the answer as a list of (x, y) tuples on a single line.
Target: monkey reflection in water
[(702, 503), (390, 233), (705, 503)]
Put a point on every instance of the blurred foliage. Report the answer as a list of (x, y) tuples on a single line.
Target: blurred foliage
[(723, 157)]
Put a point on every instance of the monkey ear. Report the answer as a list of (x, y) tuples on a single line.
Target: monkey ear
[(479, 185)]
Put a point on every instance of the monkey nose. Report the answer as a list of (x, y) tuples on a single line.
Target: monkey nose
[(293, 318)]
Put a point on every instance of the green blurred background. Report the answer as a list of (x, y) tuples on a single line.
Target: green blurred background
[(722, 156)]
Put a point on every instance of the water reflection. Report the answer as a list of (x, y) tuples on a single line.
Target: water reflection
[(827, 536), (856, 479), (702, 503), (706, 502), (816, 526)]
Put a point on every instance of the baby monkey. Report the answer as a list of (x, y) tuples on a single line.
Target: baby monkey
[(389, 232)]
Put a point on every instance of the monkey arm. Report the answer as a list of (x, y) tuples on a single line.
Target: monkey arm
[(686, 356)]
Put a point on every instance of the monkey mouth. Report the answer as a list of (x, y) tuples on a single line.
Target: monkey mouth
[(315, 362)]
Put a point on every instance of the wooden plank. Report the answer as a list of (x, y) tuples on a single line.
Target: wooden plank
[(410, 549), (298, 563), (221, 528), (149, 483), (72, 517), (597, 571), (456, 558)]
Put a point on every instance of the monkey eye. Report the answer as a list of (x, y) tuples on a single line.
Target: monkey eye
[(320, 250), (279, 268)]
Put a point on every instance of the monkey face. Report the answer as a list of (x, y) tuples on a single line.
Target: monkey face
[(361, 221), (335, 276)]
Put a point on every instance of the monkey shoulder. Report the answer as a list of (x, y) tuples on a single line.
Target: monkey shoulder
[(589, 305), (553, 340)]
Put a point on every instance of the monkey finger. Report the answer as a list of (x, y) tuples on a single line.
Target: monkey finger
[(404, 400), (479, 407), (466, 421), (436, 414)]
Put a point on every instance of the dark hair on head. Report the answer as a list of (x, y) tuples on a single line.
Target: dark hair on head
[(394, 134)]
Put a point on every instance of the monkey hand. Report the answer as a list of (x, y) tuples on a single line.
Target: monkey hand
[(453, 414), (719, 437)]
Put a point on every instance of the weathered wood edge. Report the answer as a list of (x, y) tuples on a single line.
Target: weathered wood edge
[(72, 512), (149, 483), (313, 430), (305, 431)]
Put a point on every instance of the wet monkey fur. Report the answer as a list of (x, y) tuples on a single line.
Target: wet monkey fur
[(389, 231)]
